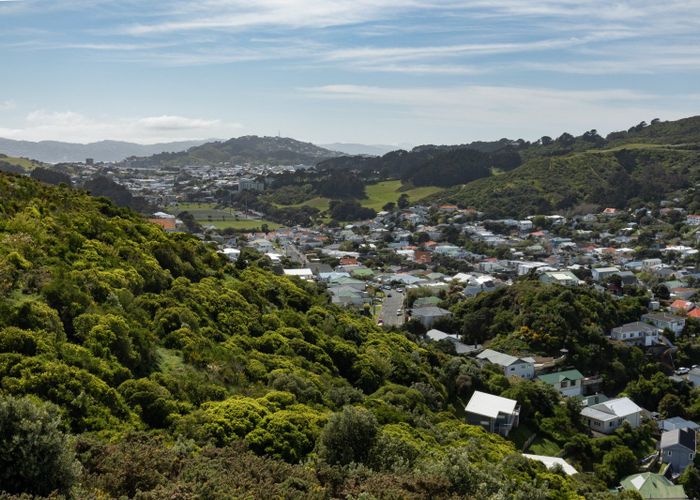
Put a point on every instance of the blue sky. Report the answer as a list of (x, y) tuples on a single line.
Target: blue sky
[(371, 71)]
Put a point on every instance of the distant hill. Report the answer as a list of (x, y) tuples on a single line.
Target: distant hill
[(241, 150), (107, 151), (350, 148)]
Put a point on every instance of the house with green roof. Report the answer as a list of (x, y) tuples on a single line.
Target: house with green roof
[(653, 487), (568, 382), (426, 301)]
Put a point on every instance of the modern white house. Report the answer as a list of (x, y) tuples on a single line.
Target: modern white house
[(494, 413), (564, 278), (568, 383), (607, 416), (512, 366), (637, 333)]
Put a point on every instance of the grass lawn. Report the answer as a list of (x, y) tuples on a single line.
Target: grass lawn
[(381, 193), (207, 215)]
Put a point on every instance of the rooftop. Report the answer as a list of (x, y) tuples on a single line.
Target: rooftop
[(490, 405)]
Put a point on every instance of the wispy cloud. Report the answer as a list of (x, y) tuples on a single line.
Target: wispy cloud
[(495, 111), (78, 127)]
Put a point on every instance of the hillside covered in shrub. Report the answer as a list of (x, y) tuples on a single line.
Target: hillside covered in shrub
[(136, 363)]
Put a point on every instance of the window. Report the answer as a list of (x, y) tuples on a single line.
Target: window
[(668, 453), (690, 456), (564, 384), (512, 368)]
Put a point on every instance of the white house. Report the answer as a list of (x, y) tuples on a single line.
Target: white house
[(607, 416), (512, 366), (636, 333), (494, 413)]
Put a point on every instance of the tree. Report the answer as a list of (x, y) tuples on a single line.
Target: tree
[(403, 202), (348, 436), (389, 206), (671, 406), (617, 463), (690, 480), (37, 456), (546, 140)]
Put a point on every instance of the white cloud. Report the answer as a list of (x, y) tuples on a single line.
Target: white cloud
[(77, 127), (8, 104)]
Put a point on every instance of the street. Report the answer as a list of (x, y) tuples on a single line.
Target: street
[(390, 306)]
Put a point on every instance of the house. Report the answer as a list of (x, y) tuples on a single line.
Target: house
[(665, 320), (601, 273), (653, 486), (677, 448), (636, 333), (512, 366), (694, 376), (304, 274), (552, 462), (494, 413), (344, 295), (607, 416), (680, 306), (429, 315), (568, 383), (564, 278)]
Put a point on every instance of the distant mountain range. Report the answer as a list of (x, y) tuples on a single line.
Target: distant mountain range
[(242, 150), (107, 151)]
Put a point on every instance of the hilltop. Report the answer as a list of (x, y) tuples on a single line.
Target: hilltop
[(243, 150)]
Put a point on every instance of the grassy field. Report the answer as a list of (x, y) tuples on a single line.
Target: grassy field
[(25, 163), (378, 195), (242, 224), (208, 215), (382, 193)]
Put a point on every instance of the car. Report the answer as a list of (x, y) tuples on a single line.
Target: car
[(399, 312), (387, 287), (400, 290), (380, 321), (682, 370)]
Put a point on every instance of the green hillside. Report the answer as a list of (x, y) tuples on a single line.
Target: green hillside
[(136, 363), (23, 163), (613, 177)]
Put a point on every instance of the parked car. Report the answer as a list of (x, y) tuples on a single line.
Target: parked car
[(682, 370)]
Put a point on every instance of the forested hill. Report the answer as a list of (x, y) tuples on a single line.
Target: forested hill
[(136, 363), (242, 150), (647, 163)]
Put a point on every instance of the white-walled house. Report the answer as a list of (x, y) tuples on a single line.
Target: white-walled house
[(512, 366), (600, 273), (665, 320), (636, 333), (607, 416), (494, 413)]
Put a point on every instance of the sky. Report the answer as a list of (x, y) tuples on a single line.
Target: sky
[(365, 71)]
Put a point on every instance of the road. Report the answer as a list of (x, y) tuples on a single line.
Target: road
[(389, 308), (295, 254)]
